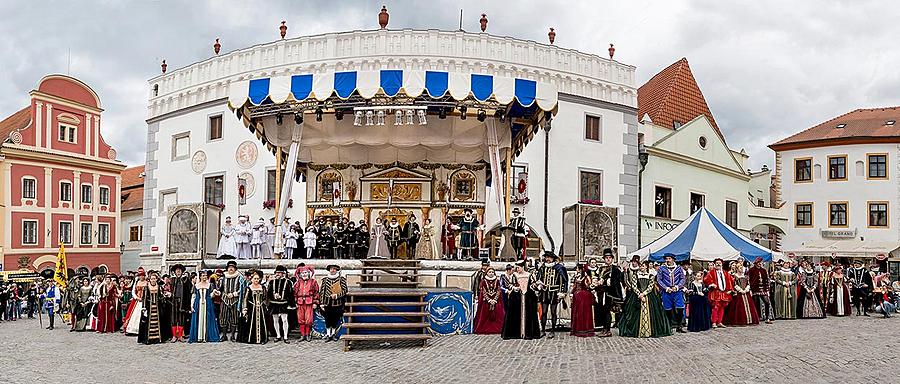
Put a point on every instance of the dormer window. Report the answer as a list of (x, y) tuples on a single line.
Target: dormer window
[(67, 133), (841, 126), (890, 122)]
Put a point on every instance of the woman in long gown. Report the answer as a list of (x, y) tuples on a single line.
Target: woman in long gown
[(133, 316), (108, 306), (699, 313), (83, 305), (839, 292), (741, 310), (204, 326), (253, 310), (378, 247), (582, 304), (785, 292), (427, 249), (489, 314), (227, 246), (155, 325), (643, 314), (521, 318), (808, 304)]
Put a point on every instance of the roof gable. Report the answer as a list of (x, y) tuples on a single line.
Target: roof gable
[(14, 123), (672, 95), (865, 124), (685, 141)]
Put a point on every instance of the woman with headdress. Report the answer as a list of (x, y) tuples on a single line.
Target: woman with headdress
[(839, 293), (785, 292), (332, 297), (306, 296), (253, 311), (132, 321), (83, 305), (808, 304), (427, 248), (582, 303), (204, 327), (489, 314), (378, 246), (155, 324), (521, 319), (741, 310), (643, 314), (108, 306)]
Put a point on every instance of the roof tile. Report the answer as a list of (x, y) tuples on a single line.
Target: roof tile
[(858, 124), (673, 95)]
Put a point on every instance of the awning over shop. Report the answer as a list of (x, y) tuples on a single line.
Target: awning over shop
[(845, 248), (391, 83)]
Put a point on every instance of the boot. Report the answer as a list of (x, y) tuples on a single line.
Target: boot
[(679, 320), (670, 314)]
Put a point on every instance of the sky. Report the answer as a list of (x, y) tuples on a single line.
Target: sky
[(767, 69)]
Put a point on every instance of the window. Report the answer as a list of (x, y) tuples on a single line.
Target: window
[(215, 127), (167, 198), (103, 233), (837, 216), (592, 128), (214, 190), (760, 203), (181, 146), (802, 170), (65, 232), (271, 186), (731, 214), (702, 142), (135, 233), (590, 186), (104, 196), (697, 202), (29, 188), (804, 215), (67, 133), (877, 166), (878, 214), (29, 232), (65, 191), (663, 202), (87, 233), (86, 193), (837, 167)]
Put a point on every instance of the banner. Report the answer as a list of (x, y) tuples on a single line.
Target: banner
[(62, 270)]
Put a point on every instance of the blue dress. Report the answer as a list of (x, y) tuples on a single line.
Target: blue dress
[(204, 327), (699, 317)]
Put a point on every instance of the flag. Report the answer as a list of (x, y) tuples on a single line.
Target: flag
[(62, 270)]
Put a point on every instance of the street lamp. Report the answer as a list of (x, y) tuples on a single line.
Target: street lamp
[(122, 247)]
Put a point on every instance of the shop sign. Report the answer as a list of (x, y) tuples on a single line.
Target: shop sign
[(838, 233)]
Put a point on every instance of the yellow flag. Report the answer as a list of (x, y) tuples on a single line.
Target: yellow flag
[(62, 270)]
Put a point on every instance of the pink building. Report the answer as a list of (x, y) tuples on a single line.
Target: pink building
[(60, 181)]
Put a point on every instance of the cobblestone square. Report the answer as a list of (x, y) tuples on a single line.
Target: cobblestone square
[(846, 350)]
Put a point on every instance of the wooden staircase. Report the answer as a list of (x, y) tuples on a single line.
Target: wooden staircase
[(388, 308)]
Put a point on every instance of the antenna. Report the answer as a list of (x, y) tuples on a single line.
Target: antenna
[(460, 19)]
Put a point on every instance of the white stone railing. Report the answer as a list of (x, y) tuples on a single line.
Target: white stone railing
[(571, 71)]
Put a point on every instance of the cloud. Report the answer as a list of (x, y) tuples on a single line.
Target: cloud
[(767, 68)]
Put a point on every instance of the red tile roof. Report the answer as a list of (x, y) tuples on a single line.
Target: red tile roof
[(132, 177), (673, 95), (133, 189), (858, 126), (15, 122)]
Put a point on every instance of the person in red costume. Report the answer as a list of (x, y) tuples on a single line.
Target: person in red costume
[(306, 295), (108, 306), (721, 286), (490, 313)]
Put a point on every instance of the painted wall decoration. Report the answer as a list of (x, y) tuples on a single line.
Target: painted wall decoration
[(246, 154), (198, 162), (452, 313)]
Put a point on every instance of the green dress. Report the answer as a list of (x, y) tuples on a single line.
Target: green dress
[(643, 318)]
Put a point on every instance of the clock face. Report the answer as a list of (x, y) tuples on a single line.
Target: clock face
[(198, 162)]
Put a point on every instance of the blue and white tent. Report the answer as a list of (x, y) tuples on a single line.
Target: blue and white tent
[(703, 237)]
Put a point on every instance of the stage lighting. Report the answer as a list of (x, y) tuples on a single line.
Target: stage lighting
[(279, 119), (298, 118), (499, 115), (462, 112), (442, 113), (482, 115), (319, 114), (339, 115)]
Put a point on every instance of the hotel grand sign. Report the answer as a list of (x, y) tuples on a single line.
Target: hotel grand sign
[(838, 233)]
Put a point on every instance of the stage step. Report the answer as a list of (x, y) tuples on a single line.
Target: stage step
[(386, 325), (387, 304), (389, 284), (389, 267), (386, 314), (349, 339), (385, 292), (369, 276)]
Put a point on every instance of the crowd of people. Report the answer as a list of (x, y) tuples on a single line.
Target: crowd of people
[(202, 306), (645, 299), (18, 300)]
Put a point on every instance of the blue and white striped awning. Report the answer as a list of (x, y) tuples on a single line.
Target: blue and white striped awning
[(391, 82), (704, 237)]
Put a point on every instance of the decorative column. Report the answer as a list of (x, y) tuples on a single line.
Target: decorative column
[(366, 212), (95, 207), (48, 206), (76, 218), (87, 134), (49, 126), (38, 119), (97, 137)]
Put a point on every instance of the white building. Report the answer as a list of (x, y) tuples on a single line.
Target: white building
[(689, 164), (197, 149), (839, 180), (132, 199)]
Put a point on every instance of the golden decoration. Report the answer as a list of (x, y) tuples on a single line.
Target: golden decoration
[(401, 192)]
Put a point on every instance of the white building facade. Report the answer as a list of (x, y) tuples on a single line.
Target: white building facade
[(195, 144)]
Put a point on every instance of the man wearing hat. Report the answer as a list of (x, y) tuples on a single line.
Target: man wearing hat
[(520, 232), (411, 234), (760, 284), (670, 280), (860, 287), (479, 274), (281, 298), (332, 296), (230, 289), (182, 288), (553, 281), (394, 236), (609, 286), (468, 234), (506, 282)]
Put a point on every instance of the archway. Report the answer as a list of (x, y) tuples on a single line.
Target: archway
[(768, 235)]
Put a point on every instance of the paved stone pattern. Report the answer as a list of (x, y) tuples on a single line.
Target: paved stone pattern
[(846, 350)]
